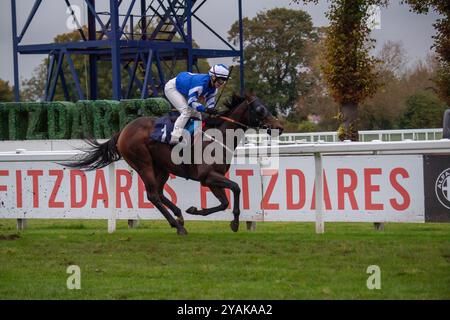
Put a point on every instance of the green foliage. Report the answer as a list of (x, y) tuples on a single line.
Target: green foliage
[(443, 81), (17, 121), (82, 120), (278, 49), (37, 120), (133, 108), (6, 93), (106, 118), (441, 40), (63, 120), (59, 116), (349, 69), (306, 126), (4, 121), (424, 110)]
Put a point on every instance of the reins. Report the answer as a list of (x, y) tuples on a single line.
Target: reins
[(227, 119)]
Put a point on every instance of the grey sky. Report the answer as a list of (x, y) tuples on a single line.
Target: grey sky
[(397, 24)]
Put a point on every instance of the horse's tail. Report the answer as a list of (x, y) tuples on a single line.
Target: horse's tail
[(99, 155)]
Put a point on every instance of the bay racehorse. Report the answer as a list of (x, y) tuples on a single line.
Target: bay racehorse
[(152, 160)]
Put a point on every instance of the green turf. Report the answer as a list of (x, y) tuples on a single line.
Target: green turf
[(277, 261)]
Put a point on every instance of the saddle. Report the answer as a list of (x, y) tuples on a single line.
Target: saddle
[(165, 125)]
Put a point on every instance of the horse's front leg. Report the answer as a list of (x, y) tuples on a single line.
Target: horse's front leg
[(215, 179), (220, 195)]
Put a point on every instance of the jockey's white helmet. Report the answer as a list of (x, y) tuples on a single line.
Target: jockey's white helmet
[(220, 71)]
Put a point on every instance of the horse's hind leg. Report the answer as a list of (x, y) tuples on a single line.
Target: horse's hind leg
[(176, 211), (152, 187)]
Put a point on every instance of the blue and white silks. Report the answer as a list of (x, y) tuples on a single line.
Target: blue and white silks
[(193, 86)]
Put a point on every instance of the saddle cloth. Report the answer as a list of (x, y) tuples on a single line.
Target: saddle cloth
[(164, 127)]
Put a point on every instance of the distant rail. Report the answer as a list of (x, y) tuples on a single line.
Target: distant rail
[(364, 136)]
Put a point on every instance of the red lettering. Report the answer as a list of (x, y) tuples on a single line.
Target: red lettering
[(265, 204), (100, 182), (405, 195), (35, 174), (369, 188), (170, 191), (73, 189), (19, 188), (350, 189), (4, 173), (123, 189), (326, 194), (142, 192), (244, 174), (290, 205), (59, 176)]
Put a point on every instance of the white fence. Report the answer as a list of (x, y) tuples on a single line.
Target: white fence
[(364, 136), (354, 181)]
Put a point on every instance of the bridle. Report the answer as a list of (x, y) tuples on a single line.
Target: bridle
[(250, 113), (230, 120)]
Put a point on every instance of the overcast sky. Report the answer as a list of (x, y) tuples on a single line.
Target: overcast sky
[(397, 24)]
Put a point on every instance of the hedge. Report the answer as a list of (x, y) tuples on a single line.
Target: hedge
[(65, 120)]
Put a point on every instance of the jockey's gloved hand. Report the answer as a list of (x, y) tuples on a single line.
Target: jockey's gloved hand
[(211, 111), (200, 108)]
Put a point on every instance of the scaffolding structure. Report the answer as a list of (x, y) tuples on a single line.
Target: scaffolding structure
[(161, 34)]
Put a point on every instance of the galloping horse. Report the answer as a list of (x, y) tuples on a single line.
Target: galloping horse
[(152, 160)]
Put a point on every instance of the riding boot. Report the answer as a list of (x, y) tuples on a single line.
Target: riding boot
[(178, 128)]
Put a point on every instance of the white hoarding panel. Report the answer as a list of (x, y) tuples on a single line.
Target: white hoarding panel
[(356, 188)]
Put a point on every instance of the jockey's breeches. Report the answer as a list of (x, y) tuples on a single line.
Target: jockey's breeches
[(180, 103)]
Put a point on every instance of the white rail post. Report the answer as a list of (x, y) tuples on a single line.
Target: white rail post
[(320, 227), (112, 188)]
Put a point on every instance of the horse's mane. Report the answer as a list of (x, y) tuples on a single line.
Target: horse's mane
[(230, 104), (233, 101)]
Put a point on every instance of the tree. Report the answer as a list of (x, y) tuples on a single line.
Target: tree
[(6, 92), (278, 51), (349, 70), (317, 100), (393, 59), (33, 89), (442, 40), (424, 110), (383, 110)]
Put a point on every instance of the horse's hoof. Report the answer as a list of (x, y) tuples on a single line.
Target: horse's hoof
[(192, 210), (234, 225), (182, 231), (180, 221)]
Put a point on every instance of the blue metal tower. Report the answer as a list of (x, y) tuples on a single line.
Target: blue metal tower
[(164, 35)]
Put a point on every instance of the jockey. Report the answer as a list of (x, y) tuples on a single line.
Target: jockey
[(185, 90)]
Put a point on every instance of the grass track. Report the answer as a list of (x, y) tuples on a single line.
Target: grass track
[(278, 261)]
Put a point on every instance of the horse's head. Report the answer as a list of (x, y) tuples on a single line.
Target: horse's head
[(255, 114)]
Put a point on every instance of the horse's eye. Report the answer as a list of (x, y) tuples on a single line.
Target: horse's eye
[(260, 111)]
